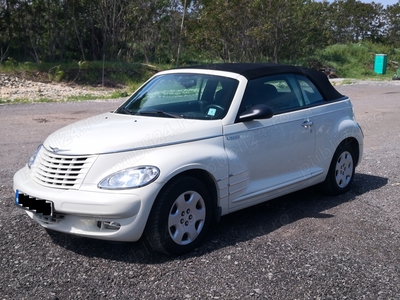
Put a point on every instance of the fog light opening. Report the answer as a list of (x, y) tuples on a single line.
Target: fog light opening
[(108, 225)]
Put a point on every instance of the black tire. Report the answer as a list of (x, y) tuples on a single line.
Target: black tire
[(341, 171), (180, 217)]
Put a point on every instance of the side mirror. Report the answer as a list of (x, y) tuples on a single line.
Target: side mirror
[(259, 111)]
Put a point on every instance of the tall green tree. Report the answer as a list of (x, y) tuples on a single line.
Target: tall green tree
[(392, 29), (352, 21)]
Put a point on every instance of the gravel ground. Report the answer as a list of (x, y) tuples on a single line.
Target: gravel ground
[(301, 246)]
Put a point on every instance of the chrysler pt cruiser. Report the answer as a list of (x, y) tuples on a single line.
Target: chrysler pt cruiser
[(189, 146)]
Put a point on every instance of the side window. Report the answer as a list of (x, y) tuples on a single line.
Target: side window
[(310, 93), (278, 92)]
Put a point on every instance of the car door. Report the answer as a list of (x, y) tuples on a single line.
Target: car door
[(325, 116), (268, 157)]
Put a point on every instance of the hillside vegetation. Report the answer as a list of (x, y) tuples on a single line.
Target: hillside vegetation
[(116, 43), (354, 60), (357, 60)]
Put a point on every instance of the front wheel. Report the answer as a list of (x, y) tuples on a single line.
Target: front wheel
[(341, 171), (180, 217)]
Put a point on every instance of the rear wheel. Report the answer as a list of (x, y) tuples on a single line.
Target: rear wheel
[(180, 217), (341, 171)]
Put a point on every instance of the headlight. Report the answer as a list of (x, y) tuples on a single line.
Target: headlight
[(130, 178), (31, 160)]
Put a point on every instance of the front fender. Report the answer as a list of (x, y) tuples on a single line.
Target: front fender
[(207, 155)]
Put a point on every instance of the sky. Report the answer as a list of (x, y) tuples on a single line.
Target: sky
[(383, 2)]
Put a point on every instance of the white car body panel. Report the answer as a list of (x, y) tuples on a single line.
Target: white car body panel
[(247, 162), (138, 132), (333, 123), (258, 147)]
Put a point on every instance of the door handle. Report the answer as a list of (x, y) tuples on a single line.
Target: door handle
[(307, 124)]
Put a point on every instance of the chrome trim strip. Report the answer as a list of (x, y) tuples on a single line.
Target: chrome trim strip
[(277, 186), (236, 191), (240, 172), (239, 182), (221, 179)]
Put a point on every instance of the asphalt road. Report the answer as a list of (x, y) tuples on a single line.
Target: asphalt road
[(301, 246)]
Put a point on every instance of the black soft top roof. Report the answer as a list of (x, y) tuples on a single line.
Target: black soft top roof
[(257, 70)]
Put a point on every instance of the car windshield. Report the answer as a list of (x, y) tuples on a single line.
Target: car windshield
[(192, 96)]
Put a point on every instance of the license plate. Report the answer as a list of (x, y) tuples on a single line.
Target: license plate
[(33, 204)]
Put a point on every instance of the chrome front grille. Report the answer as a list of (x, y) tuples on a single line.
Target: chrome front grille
[(61, 171)]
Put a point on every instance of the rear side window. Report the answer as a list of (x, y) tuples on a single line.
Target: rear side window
[(310, 93)]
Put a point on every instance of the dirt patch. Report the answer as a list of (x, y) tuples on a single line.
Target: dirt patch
[(14, 88)]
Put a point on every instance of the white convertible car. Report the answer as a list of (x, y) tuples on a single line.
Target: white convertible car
[(189, 146)]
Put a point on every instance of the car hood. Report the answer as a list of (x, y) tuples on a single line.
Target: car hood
[(111, 132)]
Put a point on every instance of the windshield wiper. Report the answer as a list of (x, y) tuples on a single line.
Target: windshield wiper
[(160, 112)]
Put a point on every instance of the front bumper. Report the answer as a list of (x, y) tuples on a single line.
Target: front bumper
[(84, 212)]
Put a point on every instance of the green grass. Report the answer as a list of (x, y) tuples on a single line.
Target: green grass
[(357, 60), (5, 101), (349, 60), (83, 72), (21, 100), (114, 95), (69, 98), (84, 98)]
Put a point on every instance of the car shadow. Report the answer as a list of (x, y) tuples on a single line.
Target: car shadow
[(234, 228)]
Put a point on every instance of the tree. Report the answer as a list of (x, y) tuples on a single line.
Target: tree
[(181, 31), (392, 16)]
